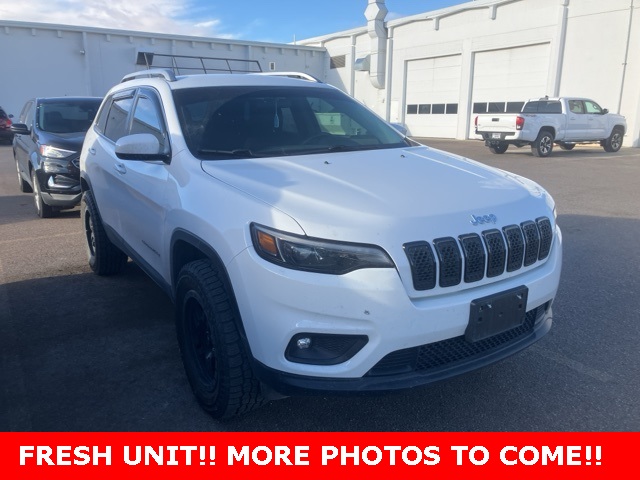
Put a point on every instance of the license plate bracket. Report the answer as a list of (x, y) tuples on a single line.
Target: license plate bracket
[(496, 313)]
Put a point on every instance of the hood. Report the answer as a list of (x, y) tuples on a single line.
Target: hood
[(361, 196), (68, 141)]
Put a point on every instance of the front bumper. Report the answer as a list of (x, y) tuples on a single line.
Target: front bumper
[(289, 384), (277, 305), (61, 190)]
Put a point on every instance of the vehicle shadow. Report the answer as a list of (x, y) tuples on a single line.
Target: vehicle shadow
[(20, 208)]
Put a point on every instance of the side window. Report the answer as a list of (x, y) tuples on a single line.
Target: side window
[(116, 126), (103, 114), (592, 107), (25, 114), (148, 119), (575, 106)]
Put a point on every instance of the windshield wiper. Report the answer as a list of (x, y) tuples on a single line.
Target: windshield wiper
[(237, 153), (336, 148)]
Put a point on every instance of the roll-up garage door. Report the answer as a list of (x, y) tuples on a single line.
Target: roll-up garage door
[(432, 95), (504, 79)]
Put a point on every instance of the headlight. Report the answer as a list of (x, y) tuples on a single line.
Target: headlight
[(53, 152), (316, 255)]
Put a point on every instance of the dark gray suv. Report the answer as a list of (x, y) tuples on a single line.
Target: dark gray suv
[(46, 147)]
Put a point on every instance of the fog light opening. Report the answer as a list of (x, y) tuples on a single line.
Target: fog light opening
[(323, 348)]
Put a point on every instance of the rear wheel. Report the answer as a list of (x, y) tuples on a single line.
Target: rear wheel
[(498, 148), (614, 142), (104, 257), (213, 353), (42, 209), (543, 145)]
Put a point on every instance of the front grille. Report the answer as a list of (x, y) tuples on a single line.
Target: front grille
[(423, 265), (515, 247), (474, 257), (447, 353), (496, 252), (450, 261), (489, 254), (546, 237), (532, 242)]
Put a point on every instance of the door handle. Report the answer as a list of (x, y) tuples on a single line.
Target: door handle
[(120, 168)]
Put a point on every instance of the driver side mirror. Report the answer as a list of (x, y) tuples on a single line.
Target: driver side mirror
[(605, 111), (20, 129), (140, 146)]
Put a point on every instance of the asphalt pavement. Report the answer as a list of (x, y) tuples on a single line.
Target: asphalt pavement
[(80, 352)]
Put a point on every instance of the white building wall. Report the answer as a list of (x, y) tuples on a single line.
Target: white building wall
[(576, 47), (587, 48), (55, 60)]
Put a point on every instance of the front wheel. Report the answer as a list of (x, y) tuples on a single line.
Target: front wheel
[(213, 353), (104, 257), (23, 185), (614, 142), (543, 145), (42, 209), (498, 148)]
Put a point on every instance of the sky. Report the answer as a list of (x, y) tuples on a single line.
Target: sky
[(281, 21)]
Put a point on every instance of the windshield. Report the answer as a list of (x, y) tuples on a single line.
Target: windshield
[(68, 116), (241, 122)]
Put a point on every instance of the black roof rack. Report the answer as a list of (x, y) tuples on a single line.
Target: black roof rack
[(182, 64)]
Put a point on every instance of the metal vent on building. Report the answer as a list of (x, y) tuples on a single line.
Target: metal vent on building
[(339, 61), (362, 64)]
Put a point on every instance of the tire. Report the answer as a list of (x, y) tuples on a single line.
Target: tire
[(567, 146), (543, 145), (104, 257), (498, 148), (614, 142), (42, 209), (23, 185), (213, 353)]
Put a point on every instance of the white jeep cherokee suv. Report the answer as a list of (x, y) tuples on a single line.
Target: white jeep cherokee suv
[(309, 246)]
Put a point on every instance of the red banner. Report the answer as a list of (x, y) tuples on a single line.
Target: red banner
[(490, 456)]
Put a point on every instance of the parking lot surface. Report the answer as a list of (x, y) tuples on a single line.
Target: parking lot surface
[(85, 353)]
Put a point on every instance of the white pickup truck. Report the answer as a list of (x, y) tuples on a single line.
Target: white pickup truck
[(545, 121)]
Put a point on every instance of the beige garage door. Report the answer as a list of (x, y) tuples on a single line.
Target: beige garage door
[(504, 79), (432, 95)]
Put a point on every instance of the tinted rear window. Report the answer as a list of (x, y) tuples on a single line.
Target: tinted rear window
[(543, 106)]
